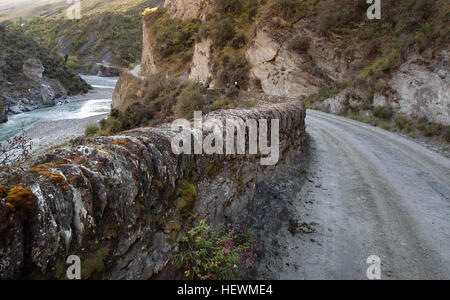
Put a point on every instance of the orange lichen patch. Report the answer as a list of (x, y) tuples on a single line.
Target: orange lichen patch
[(56, 163), (122, 142), (123, 151), (54, 176), (105, 151), (3, 191), (22, 199), (39, 169), (76, 158)]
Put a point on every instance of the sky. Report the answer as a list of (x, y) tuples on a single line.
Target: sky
[(17, 3)]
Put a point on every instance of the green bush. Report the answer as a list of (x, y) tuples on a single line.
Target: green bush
[(91, 130), (287, 9), (136, 115), (428, 128), (383, 112), (239, 41), (232, 69), (174, 36), (222, 32), (299, 44), (447, 134), (228, 6), (232, 92), (252, 13), (223, 103), (223, 253), (401, 122), (191, 99)]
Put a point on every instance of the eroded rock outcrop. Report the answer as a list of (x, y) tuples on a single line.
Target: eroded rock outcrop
[(201, 62), (188, 8), (417, 89), (32, 76), (424, 89), (148, 62), (121, 203), (281, 72)]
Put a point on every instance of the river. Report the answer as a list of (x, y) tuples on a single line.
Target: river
[(53, 125)]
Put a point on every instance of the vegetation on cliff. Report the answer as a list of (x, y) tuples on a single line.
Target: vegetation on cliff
[(374, 49), (16, 48), (173, 41), (223, 253), (110, 32)]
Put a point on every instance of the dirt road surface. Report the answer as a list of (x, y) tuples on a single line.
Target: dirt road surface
[(363, 192)]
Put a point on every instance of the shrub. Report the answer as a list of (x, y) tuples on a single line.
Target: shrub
[(287, 9), (174, 35), (252, 13), (428, 128), (432, 130), (223, 253), (136, 115), (337, 13), (239, 41), (299, 44), (228, 6), (383, 112), (232, 92), (401, 122), (447, 134), (223, 103), (385, 126), (222, 32), (91, 130), (191, 99), (232, 69)]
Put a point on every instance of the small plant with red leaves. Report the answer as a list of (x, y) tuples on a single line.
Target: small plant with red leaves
[(221, 253)]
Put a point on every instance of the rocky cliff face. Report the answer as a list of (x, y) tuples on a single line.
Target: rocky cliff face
[(423, 89), (119, 203), (298, 59), (34, 91), (201, 62), (148, 61), (280, 70), (188, 8), (32, 76), (419, 88)]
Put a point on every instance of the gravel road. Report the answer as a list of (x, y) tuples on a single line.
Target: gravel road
[(365, 191)]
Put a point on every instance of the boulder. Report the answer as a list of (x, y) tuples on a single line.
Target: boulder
[(3, 112), (33, 69), (48, 95), (15, 109)]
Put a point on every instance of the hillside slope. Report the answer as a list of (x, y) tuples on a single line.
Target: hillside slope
[(390, 72), (106, 38), (32, 76), (25, 9)]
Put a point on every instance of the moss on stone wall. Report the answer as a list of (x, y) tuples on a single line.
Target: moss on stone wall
[(22, 199)]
